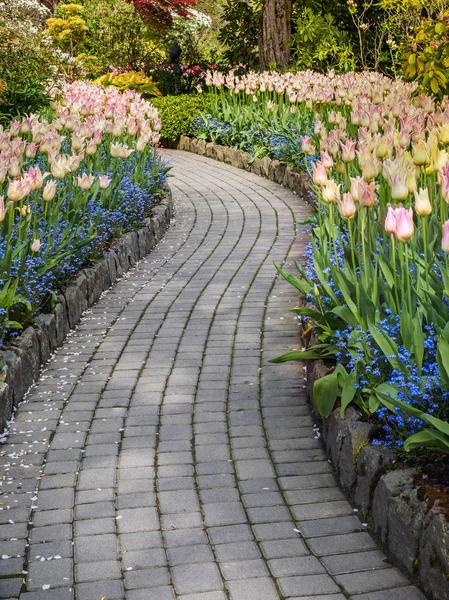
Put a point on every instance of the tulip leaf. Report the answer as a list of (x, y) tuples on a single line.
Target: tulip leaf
[(443, 360), (302, 355), (386, 271), (348, 392), (302, 286), (344, 313), (325, 392), (389, 348), (428, 438)]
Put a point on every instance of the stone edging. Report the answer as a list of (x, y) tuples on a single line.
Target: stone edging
[(409, 525), (407, 522), (29, 351)]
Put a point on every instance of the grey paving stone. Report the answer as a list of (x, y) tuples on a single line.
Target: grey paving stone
[(253, 589), (287, 567), (307, 585), (402, 593), (190, 554), (360, 561), (284, 548), (56, 573), (231, 533), (147, 578), (194, 578), (342, 544), (331, 526), (371, 581), (178, 501), (140, 541), (148, 557), (112, 589), (244, 569), (237, 551), (224, 513), (185, 537), (95, 548), (137, 519), (94, 571)]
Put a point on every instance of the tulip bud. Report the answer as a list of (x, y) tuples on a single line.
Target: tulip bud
[(35, 246), (422, 203), (331, 191), (49, 191), (104, 182), (383, 149), (390, 221), (410, 180), (346, 206), (340, 167), (367, 197), (319, 174), (404, 224), (85, 181), (445, 238), (399, 190), (420, 154)]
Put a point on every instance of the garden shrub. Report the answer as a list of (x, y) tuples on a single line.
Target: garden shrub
[(28, 62), (177, 113)]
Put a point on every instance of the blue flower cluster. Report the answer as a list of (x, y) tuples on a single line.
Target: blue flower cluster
[(126, 209), (280, 143)]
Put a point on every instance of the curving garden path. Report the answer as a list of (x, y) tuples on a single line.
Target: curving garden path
[(160, 456)]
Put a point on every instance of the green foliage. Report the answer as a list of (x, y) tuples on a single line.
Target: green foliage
[(177, 113), (239, 32), (317, 42), (130, 80), (68, 27), (118, 36), (27, 64), (427, 59)]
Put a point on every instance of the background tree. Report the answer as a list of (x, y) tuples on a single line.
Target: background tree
[(275, 33), (160, 12)]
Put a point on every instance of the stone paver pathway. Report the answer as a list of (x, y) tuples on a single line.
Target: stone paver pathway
[(160, 456)]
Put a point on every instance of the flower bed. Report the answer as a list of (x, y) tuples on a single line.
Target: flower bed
[(69, 184), (377, 277)]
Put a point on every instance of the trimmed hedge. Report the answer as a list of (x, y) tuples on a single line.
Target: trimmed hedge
[(177, 113)]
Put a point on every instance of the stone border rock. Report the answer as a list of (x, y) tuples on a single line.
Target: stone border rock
[(33, 347), (410, 529)]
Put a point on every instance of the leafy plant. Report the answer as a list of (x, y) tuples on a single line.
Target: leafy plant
[(427, 60), (130, 81)]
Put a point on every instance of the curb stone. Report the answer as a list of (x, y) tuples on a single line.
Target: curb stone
[(32, 348), (416, 536)]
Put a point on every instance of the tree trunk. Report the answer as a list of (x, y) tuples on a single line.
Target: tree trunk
[(275, 33)]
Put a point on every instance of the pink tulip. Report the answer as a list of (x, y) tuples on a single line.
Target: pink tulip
[(368, 197), (35, 246), (319, 174), (399, 189), (390, 221), (404, 224), (348, 150), (445, 238), (346, 206), (3, 208), (306, 142), (104, 182)]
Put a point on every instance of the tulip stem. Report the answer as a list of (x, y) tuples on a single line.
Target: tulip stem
[(356, 283), (396, 286), (409, 289)]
